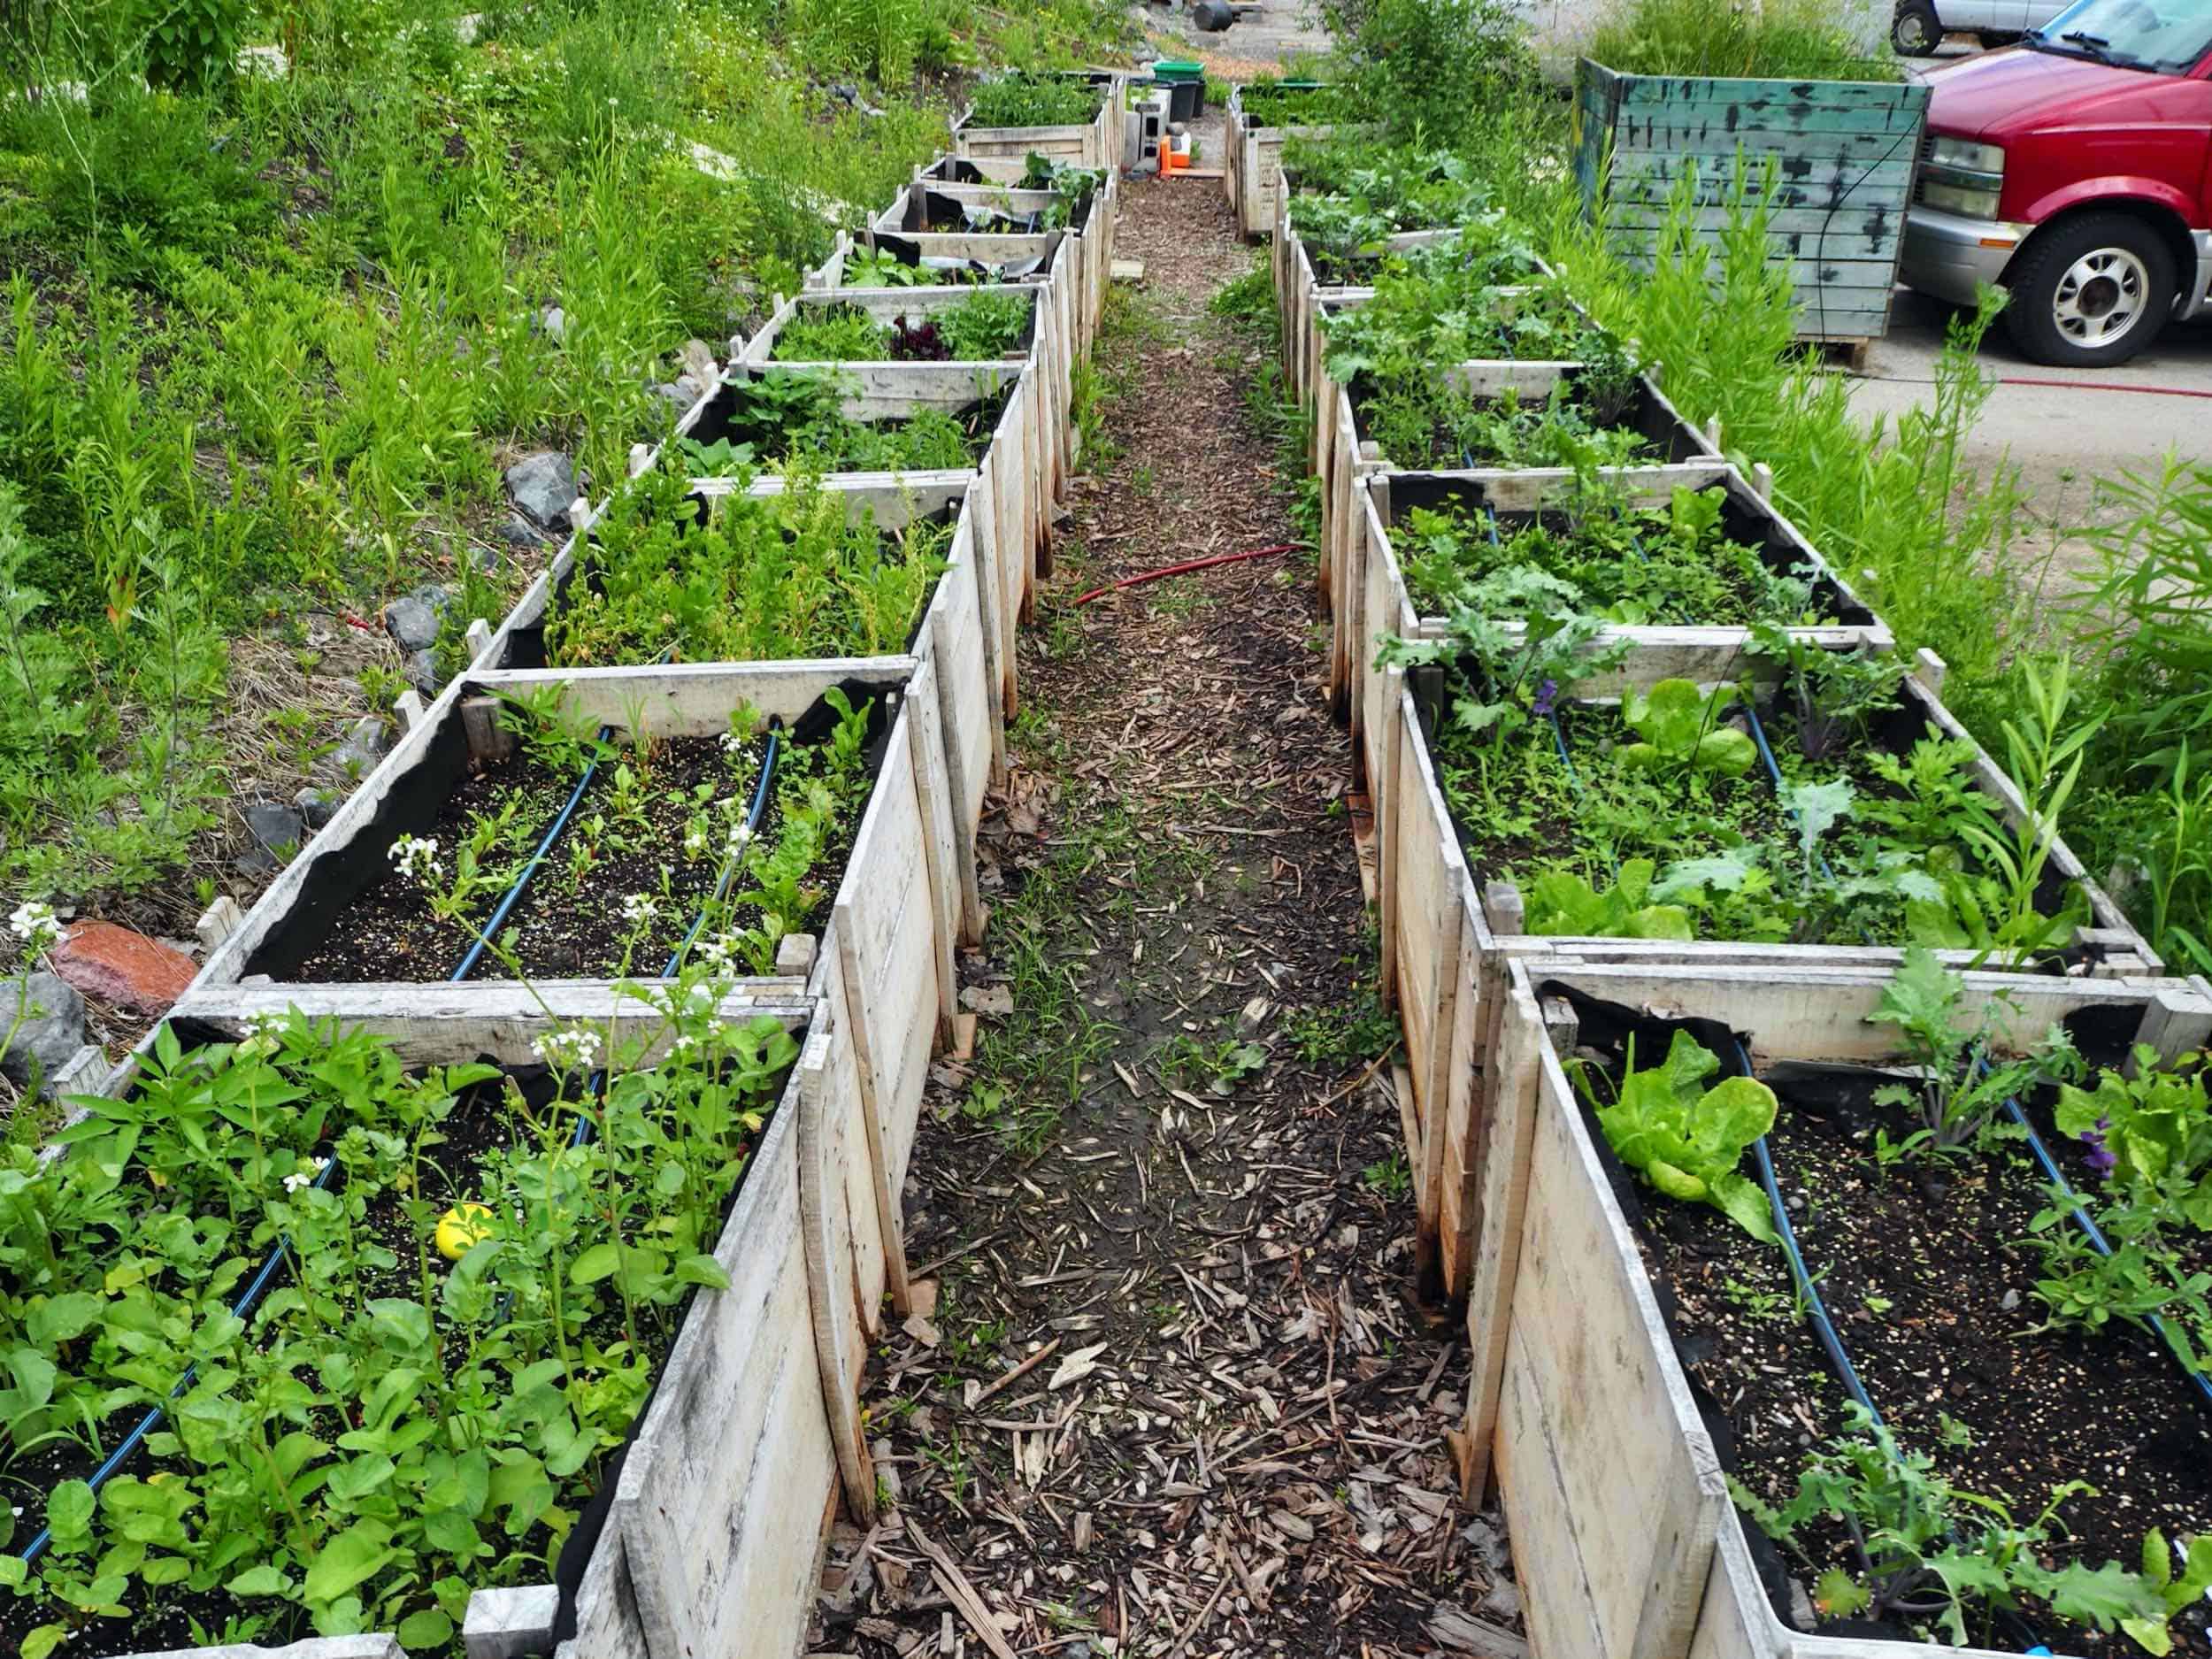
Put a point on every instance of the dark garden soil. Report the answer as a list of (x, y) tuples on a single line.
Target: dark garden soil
[(1921, 1270), (1165, 1383), (570, 923)]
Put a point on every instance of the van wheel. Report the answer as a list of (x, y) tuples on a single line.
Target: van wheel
[(2091, 292), (1913, 29)]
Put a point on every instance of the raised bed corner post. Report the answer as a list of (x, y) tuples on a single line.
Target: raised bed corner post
[(1844, 155)]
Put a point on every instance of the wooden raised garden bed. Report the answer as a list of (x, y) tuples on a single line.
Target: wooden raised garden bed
[(754, 1387), (1641, 412), (1252, 171), (1450, 929), (1004, 152), (1844, 155), (1632, 1352), (935, 206), (907, 321), (1380, 602)]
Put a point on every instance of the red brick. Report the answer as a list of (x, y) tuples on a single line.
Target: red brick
[(101, 959)]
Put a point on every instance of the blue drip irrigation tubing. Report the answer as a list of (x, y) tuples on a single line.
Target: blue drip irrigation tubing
[(258, 1286), (2090, 1230), (676, 959)]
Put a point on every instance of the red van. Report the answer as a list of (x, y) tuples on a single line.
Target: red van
[(2072, 169)]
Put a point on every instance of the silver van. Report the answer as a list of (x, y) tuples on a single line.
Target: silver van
[(1917, 26)]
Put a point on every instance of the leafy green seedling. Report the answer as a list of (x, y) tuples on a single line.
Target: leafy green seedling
[(1686, 1139)]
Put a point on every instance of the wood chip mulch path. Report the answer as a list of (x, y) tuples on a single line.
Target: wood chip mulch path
[(1165, 1392)]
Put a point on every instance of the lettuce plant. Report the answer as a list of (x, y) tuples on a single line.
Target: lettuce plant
[(1681, 730), (2153, 1130), (1562, 901), (1686, 1139)]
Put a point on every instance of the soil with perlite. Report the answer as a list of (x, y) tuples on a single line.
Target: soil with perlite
[(1164, 1389)]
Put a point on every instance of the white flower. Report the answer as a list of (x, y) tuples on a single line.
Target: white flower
[(305, 1177), (35, 923), (740, 837), (640, 908), (715, 952), (732, 742), (573, 1049), (694, 841), (417, 856)]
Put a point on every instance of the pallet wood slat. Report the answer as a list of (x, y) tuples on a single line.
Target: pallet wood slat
[(1849, 149), (1625, 1542)]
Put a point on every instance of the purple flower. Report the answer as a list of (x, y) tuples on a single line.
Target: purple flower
[(1546, 697), (2099, 1157)]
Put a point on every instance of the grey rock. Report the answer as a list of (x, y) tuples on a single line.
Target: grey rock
[(363, 747), (2009, 1300), (52, 1030), (412, 622), (422, 671), (519, 532), (1212, 16), (275, 826), (317, 807), (542, 486), (553, 322), (682, 392)]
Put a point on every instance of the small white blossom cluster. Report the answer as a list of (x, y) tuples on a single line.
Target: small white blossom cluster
[(298, 1178), (570, 1050), (35, 923), (416, 856), (261, 1040), (733, 742), (639, 908), (740, 837), (694, 840)]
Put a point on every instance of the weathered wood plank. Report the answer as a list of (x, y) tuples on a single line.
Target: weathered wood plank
[(736, 1441), (825, 1153)]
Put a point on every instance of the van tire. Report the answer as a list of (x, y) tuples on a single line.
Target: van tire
[(2072, 277), (1913, 29)]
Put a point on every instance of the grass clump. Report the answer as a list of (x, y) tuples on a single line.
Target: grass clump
[(1789, 40)]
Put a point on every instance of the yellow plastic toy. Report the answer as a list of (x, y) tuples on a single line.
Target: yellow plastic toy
[(461, 1227)]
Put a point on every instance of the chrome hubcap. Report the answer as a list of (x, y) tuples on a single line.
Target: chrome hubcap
[(1913, 30), (2103, 296)]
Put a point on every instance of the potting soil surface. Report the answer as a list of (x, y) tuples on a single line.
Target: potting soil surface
[(1922, 1268), (1164, 1383)]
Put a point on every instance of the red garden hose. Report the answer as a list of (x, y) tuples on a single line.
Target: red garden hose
[(1189, 565), (2102, 385)]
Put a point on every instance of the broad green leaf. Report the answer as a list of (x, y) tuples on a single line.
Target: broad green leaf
[(69, 1512), (597, 1263), (428, 1628), (43, 1641), (359, 1553), (2150, 1634), (262, 1580), (1839, 1595)]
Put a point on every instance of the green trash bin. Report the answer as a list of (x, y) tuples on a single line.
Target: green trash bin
[(1186, 83)]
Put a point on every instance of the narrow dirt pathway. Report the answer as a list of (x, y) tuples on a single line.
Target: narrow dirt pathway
[(1171, 1397)]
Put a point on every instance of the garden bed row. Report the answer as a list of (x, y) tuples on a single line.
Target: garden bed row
[(1636, 752), (658, 901)]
